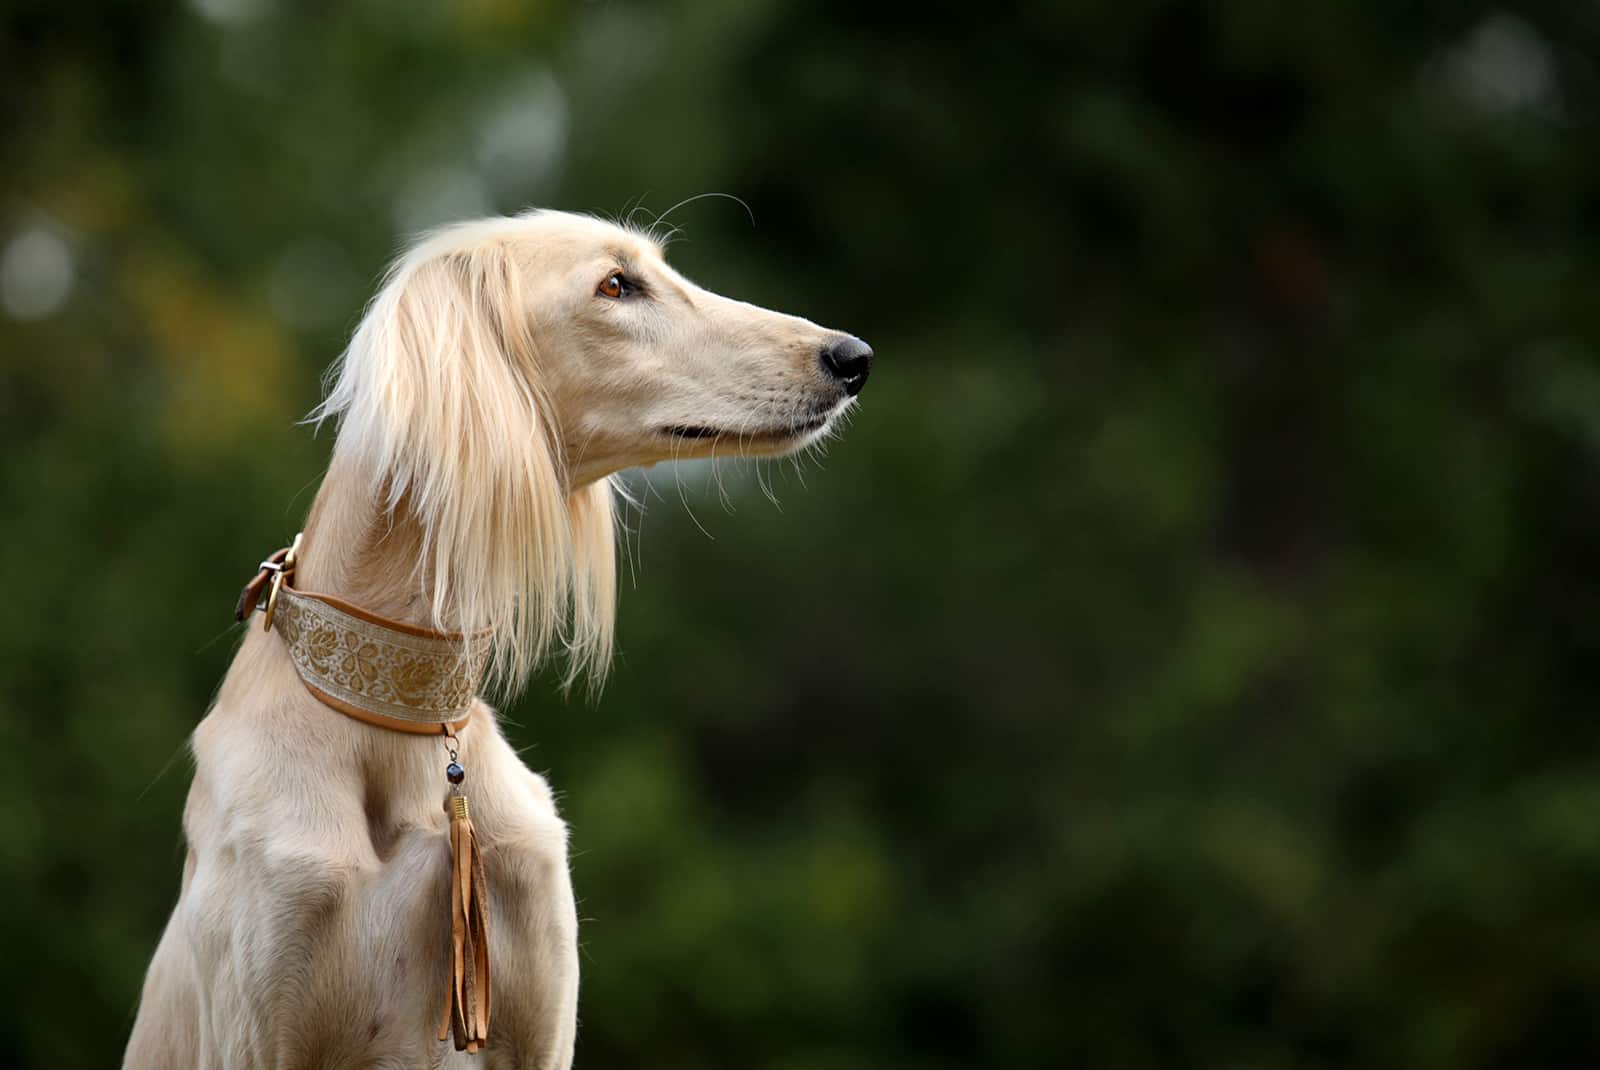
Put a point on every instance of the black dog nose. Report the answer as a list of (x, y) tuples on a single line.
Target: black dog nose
[(848, 360)]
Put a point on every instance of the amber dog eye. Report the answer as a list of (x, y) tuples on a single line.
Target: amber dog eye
[(615, 284)]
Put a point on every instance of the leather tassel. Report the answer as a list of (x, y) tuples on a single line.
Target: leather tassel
[(466, 1008)]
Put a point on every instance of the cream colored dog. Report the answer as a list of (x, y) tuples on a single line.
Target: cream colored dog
[(507, 368)]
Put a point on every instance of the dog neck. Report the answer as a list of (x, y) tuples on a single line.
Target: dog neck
[(536, 571), (358, 550), (373, 667)]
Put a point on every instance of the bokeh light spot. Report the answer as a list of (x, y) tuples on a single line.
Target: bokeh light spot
[(36, 274)]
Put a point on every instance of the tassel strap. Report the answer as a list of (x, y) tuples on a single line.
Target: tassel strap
[(466, 1006)]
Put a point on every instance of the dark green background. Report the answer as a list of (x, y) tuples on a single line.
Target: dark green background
[(1186, 657)]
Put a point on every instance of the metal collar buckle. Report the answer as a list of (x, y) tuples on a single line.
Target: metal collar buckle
[(280, 571)]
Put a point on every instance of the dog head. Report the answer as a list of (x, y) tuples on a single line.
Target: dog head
[(508, 367)]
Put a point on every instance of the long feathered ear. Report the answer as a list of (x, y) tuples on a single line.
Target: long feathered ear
[(438, 398)]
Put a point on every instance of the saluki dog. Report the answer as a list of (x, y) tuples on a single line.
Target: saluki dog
[(505, 371)]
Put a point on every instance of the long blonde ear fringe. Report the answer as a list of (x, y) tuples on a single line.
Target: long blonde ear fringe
[(591, 510), (438, 400)]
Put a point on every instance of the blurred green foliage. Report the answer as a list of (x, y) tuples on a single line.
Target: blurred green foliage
[(1185, 659)]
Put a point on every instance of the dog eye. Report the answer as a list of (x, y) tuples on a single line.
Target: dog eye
[(615, 285)]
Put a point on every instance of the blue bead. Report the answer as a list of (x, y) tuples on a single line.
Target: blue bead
[(455, 773)]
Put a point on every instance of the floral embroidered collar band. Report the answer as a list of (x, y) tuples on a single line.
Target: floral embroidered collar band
[(380, 671)]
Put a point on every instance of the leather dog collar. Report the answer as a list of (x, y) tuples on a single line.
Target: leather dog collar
[(380, 671)]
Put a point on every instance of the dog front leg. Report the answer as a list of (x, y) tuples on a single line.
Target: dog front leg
[(535, 951), (166, 1033)]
